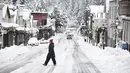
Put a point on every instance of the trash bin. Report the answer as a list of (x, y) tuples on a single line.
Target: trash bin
[(125, 46)]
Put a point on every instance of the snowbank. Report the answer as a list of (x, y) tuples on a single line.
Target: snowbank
[(110, 60)]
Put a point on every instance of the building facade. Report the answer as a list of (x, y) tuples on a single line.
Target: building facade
[(124, 14), (112, 14), (99, 19)]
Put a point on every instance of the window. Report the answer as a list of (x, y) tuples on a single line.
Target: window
[(101, 15), (44, 22)]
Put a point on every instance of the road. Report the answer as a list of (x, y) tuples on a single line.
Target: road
[(81, 63), (23, 59), (19, 61)]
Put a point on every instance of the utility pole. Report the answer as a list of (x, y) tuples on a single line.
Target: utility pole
[(116, 25), (103, 38), (91, 27), (91, 19)]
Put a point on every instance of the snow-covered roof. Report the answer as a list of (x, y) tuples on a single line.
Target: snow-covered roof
[(14, 14), (8, 25), (4, 10), (39, 12), (1, 6), (96, 8), (12, 6)]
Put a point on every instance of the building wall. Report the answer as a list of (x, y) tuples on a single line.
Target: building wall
[(12, 19), (126, 34), (126, 30), (0, 16), (21, 21), (98, 17), (111, 22), (97, 23), (40, 17)]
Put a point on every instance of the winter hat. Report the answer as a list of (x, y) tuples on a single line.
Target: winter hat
[(51, 40)]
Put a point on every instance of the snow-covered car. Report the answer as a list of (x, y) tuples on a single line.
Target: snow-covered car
[(42, 41), (33, 42)]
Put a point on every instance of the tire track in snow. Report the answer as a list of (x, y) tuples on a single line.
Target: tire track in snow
[(80, 67), (51, 69), (82, 63), (61, 38), (20, 61)]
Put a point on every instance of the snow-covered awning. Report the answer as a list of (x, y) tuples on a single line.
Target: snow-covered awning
[(23, 29), (27, 29), (125, 17), (9, 25), (48, 25), (20, 28)]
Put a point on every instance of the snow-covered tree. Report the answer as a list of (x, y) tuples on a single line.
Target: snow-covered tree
[(39, 5), (97, 2), (73, 9)]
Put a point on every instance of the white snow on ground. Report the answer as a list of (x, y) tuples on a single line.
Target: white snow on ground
[(9, 53), (110, 60)]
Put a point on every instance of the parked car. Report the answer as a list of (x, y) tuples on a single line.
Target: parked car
[(33, 42), (69, 36)]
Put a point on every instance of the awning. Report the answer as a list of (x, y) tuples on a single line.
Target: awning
[(9, 25), (27, 29)]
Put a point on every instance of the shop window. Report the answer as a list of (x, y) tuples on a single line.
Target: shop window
[(44, 22)]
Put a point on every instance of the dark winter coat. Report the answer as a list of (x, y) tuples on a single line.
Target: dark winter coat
[(51, 52)]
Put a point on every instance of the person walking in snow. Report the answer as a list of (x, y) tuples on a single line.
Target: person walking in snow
[(51, 53)]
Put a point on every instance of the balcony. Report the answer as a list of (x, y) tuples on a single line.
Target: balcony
[(124, 7)]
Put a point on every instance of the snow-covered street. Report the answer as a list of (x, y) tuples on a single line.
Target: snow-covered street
[(15, 59), (64, 36), (72, 56)]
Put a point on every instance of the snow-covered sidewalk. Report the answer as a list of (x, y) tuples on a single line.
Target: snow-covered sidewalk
[(110, 60)]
